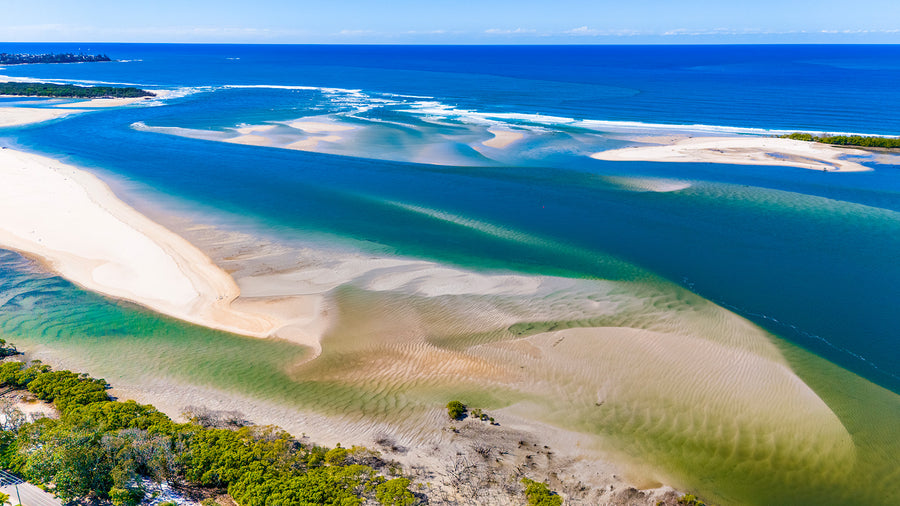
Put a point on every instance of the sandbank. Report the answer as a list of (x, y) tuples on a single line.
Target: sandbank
[(312, 143), (250, 140), (743, 151), (315, 127), (15, 116), (249, 129), (75, 224), (502, 138), (100, 103)]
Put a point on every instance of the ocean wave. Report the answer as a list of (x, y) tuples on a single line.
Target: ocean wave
[(432, 110)]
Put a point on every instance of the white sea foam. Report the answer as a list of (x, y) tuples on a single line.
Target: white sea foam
[(436, 109)]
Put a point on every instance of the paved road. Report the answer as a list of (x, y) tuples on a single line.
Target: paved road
[(26, 492)]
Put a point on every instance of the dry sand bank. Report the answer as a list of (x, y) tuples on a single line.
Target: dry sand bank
[(743, 151), (16, 116), (316, 127), (73, 222), (102, 103), (502, 138)]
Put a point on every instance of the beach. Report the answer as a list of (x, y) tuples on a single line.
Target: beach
[(743, 151), (18, 116), (73, 222)]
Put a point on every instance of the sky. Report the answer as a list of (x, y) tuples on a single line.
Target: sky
[(453, 22)]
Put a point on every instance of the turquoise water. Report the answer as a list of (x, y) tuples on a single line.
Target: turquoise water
[(808, 256)]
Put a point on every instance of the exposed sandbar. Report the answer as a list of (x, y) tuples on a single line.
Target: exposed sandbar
[(250, 140), (743, 151), (16, 116), (101, 103), (315, 127), (73, 222), (312, 143), (502, 138), (249, 129)]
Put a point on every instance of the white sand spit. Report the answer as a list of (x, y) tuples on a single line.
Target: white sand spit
[(250, 140), (502, 138), (315, 127), (249, 129), (16, 116), (312, 143), (743, 151), (73, 222)]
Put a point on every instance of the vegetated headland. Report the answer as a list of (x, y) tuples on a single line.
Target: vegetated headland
[(23, 58), (92, 446), (71, 91), (847, 140)]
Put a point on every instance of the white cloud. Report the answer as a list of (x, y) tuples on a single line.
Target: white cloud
[(582, 30), (504, 31), (585, 31)]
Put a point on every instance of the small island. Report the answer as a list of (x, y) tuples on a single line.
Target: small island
[(23, 58), (70, 91)]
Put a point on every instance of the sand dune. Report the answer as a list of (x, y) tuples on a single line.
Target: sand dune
[(743, 151)]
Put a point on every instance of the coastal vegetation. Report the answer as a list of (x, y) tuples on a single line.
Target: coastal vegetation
[(106, 449), (22, 58), (456, 410), (847, 140), (539, 494), (121, 451), (71, 91)]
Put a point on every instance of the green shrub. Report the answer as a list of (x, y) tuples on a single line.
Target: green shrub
[(456, 410), (395, 493), (539, 494), (337, 456), (125, 497), (690, 500)]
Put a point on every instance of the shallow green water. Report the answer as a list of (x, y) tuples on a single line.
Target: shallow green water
[(730, 461)]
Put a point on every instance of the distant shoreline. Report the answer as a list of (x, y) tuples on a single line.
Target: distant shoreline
[(30, 89), (31, 58)]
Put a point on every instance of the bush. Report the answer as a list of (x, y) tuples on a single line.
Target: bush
[(456, 410), (539, 494), (395, 493), (336, 456), (123, 497), (690, 500)]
